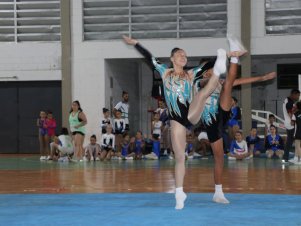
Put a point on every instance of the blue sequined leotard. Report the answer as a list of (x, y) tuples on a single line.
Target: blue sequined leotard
[(178, 90)]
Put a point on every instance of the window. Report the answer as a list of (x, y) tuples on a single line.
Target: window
[(288, 76), (109, 19), (283, 16), (29, 20)]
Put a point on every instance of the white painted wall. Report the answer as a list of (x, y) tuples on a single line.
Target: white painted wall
[(32, 61)]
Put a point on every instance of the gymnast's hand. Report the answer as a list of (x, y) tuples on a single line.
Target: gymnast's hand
[(129, 41), (269, 76)]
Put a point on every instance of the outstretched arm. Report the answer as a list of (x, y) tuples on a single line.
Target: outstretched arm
[(248, 80), (151, 60)]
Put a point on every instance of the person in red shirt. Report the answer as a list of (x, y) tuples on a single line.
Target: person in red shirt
[(51, 125)]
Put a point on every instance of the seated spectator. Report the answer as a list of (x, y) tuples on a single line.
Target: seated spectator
[(61, 147), (239, 147), (126, 152), (202, 144), (138, 145), (93, 150), (233, 124), (155, 154), (271, 121), (274, 144), (253, 142), (107, 144)]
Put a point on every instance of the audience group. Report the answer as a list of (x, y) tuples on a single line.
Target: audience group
[(117, 142)]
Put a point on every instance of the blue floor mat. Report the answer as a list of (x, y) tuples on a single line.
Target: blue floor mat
[(153, 209)]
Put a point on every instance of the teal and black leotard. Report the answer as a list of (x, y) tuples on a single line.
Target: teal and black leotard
[(178, 91)]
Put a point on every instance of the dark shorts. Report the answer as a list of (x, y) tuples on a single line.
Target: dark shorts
[(107, 149), (78, 132), (215, 129), (183, 118)]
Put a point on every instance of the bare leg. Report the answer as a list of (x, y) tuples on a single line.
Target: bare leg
[(218, 150), (226, 93), (78, 146), (178, 139), (199, 100)]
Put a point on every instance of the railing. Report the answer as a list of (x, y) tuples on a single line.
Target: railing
[(263, 117)]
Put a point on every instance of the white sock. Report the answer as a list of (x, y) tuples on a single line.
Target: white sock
[(220, 63), (180, 198), (219, 196), (234, 60)]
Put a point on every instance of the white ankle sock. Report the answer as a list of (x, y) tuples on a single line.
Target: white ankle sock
[(234, 60), (220, 63), (219, 196), (180, 198)]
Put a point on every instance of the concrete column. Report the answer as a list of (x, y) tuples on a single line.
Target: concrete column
[(66, 60), (246, 91)]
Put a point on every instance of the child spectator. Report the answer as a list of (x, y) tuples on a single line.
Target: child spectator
[(274, 144), (253, 142), (106, 120), (157, 125), (239, 147), (233, 125), (43, 135), (126, 152), (61, 147), (107, 144), (51, 125), (119, 128), (202, 144), (138, 143), (271, 121), (93, 150), (155, 154)]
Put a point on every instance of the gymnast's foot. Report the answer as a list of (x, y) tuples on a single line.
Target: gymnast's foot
[(180, 198), (236, 49), (219, 197), (220, 63)]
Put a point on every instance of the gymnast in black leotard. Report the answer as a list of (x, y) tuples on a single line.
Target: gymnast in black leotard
[(184, 106), (216, 111)]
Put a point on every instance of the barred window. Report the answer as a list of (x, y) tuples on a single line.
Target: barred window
[(109, 19), (283, 17), (29, 20)]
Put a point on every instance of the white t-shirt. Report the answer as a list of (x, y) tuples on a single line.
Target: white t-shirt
[(287, 118), (124, 108), (243, 148), (67, 146), (157, 128)]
